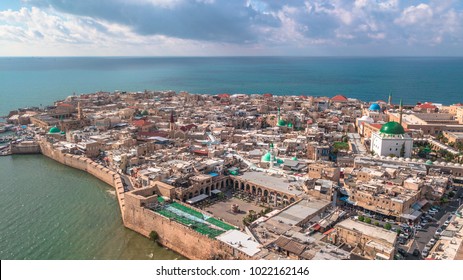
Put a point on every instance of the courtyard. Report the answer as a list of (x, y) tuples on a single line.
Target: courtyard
[(223, 210)]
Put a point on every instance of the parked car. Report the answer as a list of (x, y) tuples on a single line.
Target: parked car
[(432, 241), (439, 231), (446, 223), (424, 253), (449, 218), (416, 252), (402, 252), (419, 227)]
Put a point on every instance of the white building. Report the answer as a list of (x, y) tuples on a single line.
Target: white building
[(392, 140)]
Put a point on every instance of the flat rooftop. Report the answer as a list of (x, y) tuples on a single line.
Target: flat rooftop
[(241, 241), (370, 230), (300, 211), (271, 182)]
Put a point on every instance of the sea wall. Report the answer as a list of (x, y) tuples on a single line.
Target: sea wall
[(176, 236), (173, 235), (85, 164)]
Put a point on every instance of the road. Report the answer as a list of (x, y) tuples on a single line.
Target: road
[(357, 146), (422, 237), (126, 182)]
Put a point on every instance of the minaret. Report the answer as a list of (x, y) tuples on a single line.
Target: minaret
[(389, 101), (400, 111), (172, 121), (80, 116), (278, 114), (272, 153)]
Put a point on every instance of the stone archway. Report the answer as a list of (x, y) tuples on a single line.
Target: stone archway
[(248, 188), (253, 190), (285, 200), (292, 200)]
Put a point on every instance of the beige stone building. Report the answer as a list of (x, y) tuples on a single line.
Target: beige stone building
[(369, 241)]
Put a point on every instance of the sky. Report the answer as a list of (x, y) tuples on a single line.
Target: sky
[(231, 27)]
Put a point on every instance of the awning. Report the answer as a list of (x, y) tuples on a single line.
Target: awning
[(214, 174), (329, 231), (316, 227), (346, 199), (197, 198), (216, 191)]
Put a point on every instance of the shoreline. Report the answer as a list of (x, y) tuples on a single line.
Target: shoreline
[(76, 162)]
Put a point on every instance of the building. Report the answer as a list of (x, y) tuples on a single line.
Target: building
[(392, 140), (369, 241)]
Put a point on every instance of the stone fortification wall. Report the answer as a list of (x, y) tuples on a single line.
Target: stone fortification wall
[(176, 236), (85, 164), (26, 147)]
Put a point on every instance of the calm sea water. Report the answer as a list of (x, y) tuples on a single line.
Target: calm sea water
[(34, 81), (51, 211)]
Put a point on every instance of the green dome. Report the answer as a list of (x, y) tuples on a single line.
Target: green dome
[(63, 133), (54, 130), (294, 158), (281, 122), (429, 162), (144, 113), (290, 125), (392, 128), (279, 161), (267, 157)]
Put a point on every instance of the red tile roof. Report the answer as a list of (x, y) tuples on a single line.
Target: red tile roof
[(187, 127), (140, 123), (223, 95), (427, 106), (339, 98)]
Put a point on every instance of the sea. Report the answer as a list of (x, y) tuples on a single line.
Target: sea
[(50, 211)]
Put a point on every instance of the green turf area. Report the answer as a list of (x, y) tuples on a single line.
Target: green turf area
[(220, 224), (199, 227), (187, 210), (161, 199)]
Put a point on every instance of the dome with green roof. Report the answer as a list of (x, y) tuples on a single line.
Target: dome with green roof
[(294, 158), (281, 122), (280, 161), (290, 125), (393, 128), (62, 133), (267, 157), (429, 162), (54, 130), (144, 113)]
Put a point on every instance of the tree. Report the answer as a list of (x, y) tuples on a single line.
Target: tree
[(402, 150), (367, 220), (361, 218), (154, 236), (387, 226), (377, 223)]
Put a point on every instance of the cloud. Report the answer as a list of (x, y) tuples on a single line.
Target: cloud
[(420, 14), (195, 27)]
